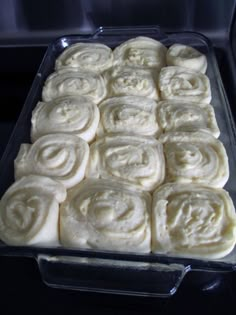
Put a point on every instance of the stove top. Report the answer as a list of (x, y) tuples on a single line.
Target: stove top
[(22, 287)]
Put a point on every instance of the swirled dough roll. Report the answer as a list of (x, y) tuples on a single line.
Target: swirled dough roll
[(142, 52), (86, 56), (136, 160), (29, 211), (123, 81), (178, 83), (187, 116), (195, 157), (193, 220), (76, 115), (186, 56), (59, 156), (102, 214), (134, 114), (70, 81)]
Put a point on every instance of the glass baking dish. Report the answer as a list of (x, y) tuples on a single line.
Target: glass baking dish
[(113, 272)]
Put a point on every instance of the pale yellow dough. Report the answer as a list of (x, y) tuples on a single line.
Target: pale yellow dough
[(60, 156), (128, 81), (76, 115), (128, 114), (187, 116), (193, 221), (86, 56), (70, 81), (195, 157), (142, 52), (136, 160), (103, 214), (29, 211), (178, 83), (186, 56)]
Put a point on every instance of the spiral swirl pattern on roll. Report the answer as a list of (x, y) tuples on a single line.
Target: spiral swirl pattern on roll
[(178, 83), (187, 116), (29, 211), (86, 56), (60, 156), (123, 81), (70, 81), (128, 114), (103, 214), (129, 159), (195, 157), (193, 220), (75, 115), (142, 52), (186, 56)]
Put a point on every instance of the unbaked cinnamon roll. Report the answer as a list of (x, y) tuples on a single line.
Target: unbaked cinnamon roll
[(187, 116), (193, 220), (187, 57), (59, 156), (103, 214), (86, 56), (70, 81), (123, 81), (76, 115), (128, 114), (178, 83), (29, 211), (195, 157), (136, 160), (142, 52)]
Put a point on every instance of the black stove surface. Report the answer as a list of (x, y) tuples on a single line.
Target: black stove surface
[(22, 289)]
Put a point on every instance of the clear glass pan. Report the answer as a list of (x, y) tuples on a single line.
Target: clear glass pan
[(150, 274)]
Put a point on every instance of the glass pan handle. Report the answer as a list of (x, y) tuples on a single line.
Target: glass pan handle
[(111, 276), (151, 30)]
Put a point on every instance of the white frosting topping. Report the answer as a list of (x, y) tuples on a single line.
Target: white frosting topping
[(69, 114), (136, 160), (60, 156), (193, 220), (187, 116), (195, 157), (86, 56), (29, 211), (141, 52), (123, 81), (70, 81), (106, 215), (128, 114), (178, 83), (186, 56)]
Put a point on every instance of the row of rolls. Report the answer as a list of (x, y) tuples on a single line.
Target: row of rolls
[(124, 156)]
